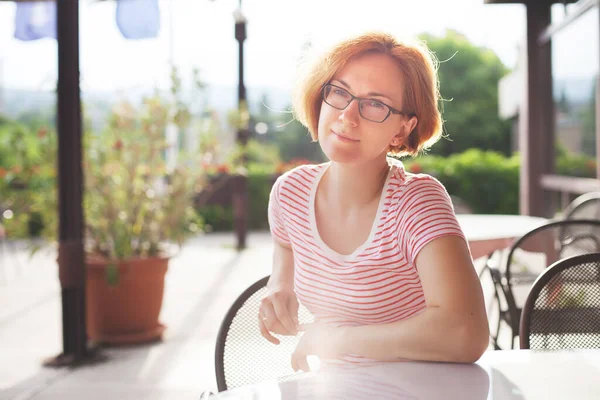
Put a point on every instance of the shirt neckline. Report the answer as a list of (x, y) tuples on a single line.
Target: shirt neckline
[(313, 218)]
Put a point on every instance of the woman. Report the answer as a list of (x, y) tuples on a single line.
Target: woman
[(374, 252)]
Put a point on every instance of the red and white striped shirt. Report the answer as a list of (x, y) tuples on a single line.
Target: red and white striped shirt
[(378, 283)]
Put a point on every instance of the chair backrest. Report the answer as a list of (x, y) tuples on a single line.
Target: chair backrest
[(242, 355), (535, 251), (562, 309), (539, 248), (586, 206)]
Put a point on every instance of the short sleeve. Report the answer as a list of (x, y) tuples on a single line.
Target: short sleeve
[(425, 213), (276, 219)]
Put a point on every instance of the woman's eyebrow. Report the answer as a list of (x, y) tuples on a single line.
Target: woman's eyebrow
[(368, 94)]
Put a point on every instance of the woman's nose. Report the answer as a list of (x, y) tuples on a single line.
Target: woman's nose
[(350, 114)]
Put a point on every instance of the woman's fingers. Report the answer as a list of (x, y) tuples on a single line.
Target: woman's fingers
[(270, 319), (268, 314), (303, 363), (294, 362), (284, 317), (276, 317), (299, 362), (265, 332)]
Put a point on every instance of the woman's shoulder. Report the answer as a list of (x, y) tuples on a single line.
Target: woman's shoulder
[(305, 173), (403, 179), (424, 181), (406, 185)]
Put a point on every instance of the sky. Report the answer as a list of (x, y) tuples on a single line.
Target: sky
[(200, 33)]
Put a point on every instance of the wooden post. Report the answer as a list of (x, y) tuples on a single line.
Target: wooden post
[(536, 140), (71, 259)]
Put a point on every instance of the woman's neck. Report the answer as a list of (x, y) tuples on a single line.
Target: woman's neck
[(353, 186)]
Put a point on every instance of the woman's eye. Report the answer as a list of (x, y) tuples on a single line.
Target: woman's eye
[(375, 104)]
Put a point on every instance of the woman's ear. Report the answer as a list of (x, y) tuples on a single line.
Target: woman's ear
[(411, 124), (396, 140), (405, 131)]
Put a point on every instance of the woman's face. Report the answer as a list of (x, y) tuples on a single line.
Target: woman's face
[(344, 135)]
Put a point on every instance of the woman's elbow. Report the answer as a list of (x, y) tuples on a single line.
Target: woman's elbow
[(473, 341)]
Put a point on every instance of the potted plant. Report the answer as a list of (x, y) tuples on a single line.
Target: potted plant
[(137, 207)]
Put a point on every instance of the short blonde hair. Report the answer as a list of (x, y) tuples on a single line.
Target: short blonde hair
[(421, 93)]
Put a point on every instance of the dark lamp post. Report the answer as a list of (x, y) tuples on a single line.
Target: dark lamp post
[(240, 36), (240, 191)]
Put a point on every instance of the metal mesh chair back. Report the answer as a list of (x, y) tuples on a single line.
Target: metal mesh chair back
[(529, 256), (562, 310), (586, 206), (242, 355)]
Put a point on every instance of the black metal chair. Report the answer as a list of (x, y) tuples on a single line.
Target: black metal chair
[(242, 355), (562, 309), (586, 206), (528, 257)]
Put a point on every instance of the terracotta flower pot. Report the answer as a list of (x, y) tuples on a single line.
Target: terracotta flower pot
[(127, 312)]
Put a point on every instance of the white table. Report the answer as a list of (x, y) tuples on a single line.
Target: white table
[(487, 232), (498, 375)]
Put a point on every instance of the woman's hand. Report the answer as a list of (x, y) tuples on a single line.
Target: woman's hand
[(320, 340), (278, 313)]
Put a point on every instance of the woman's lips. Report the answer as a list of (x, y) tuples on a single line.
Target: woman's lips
[(344, 138)]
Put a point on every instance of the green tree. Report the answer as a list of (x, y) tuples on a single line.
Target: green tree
[(290, 137), (469, 78), (4, 120), (294, 142), (34, 119)]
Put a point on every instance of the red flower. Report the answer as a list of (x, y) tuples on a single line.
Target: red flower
[(118, 145), (591, 164), (223, 169), (415, 168), (42, 132), (3, 172)]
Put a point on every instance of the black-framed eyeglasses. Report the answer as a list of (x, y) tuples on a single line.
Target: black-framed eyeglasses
[(370, 109)]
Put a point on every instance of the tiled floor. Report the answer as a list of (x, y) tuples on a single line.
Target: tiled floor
[(202, 282)]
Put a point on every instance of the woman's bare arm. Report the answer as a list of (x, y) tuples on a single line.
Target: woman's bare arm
[(279, 309), (283, 267), (452, 328)]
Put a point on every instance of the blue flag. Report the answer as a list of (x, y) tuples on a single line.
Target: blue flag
[(138, 19), (35, 20)]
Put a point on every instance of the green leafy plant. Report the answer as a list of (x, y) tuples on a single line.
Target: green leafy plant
[(27, 168), (135, 202), (486, 180)]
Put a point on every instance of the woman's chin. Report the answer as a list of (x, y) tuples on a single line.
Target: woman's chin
[(340, 155), (348, 154)]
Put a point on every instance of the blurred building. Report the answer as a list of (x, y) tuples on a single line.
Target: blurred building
[(551, 98)]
